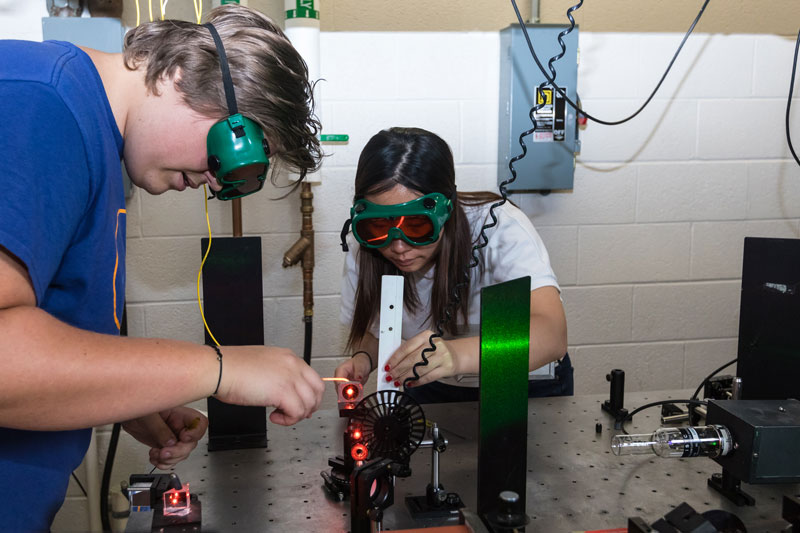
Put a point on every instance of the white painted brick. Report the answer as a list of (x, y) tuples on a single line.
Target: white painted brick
[(328, 334), (73, 515), (685, 311), (343, 56), (177, 321), (607, 66), (182, 321), (691, 191), (183, 213), (323, 109), (649, 366), (773, 189), (742, 129), (165, 269), (162, 269), (476, 177), (136, 320), (267, 212), (364, 119), (715, 66), (717, 246), (133, 216), (562, 246), (447, 65), (270, 321), (664, 130), (619, 254), (333, 198), (603, 194), (703, 357), (598, 314), (279, 281), (769, 79), (328, 262), (479, 126)]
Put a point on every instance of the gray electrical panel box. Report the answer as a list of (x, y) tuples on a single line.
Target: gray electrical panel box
[(550, 161)]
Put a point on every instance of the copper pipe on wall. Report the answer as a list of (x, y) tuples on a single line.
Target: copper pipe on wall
[(303, 250), (236, 210)]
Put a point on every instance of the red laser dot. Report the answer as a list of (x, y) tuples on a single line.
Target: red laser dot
[(358, 452)]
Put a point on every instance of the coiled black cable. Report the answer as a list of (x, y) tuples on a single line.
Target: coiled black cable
[(789, 102), (576, 106), (483, 239)]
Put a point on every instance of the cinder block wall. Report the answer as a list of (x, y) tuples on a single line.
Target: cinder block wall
[(647, 247)]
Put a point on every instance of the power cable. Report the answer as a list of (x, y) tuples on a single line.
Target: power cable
[(483, 239), (711, 375), (575, 106), (620, 424), (78, 481), (789, 101)]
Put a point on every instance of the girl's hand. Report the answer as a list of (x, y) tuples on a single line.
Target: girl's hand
[(441, 363), (357, 368)]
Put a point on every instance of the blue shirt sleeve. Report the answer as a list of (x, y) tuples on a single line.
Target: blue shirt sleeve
[(44, 182)]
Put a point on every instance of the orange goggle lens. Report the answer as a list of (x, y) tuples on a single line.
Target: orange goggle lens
[(418, 229)]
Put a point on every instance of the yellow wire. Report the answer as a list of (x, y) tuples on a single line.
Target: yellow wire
[(137, 13), (150, 9), (198, 10), (200, 273), (161, 3)]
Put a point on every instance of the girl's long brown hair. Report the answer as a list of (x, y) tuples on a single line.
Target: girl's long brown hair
[(421, 161)]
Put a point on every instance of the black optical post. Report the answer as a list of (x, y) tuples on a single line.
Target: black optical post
[(233, 304)]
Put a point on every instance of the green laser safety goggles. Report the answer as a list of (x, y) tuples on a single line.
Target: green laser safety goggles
[(418, 222), (237, 150)]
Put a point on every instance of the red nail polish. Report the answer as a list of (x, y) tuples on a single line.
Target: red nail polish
[(388, 378), (396, 383), (411, 384), (386, 368)]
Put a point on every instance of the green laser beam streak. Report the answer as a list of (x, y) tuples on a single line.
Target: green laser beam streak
[(505, 344)]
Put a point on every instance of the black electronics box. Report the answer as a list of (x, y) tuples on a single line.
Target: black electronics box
[(766, 434)]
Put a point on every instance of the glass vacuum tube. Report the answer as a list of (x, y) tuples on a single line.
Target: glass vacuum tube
[(697, 441)]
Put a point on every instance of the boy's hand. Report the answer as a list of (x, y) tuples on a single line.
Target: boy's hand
[(172, 434), (272, 377)]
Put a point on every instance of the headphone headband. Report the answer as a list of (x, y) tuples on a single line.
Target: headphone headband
[(227, 82)]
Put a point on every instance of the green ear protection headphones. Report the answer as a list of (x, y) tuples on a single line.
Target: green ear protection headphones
[(237, 150)]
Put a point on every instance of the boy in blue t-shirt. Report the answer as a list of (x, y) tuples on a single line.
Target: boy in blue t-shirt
[(69, 115)]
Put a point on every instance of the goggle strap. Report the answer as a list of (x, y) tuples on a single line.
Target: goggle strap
[(345, 231), (227, 82)]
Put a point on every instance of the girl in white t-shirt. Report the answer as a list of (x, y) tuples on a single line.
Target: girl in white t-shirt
[(408, 220)]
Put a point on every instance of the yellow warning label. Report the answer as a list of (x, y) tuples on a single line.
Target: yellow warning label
[(544, 96)]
